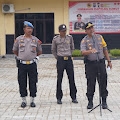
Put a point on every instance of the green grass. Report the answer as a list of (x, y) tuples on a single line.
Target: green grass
[(76, 53), (115, 52)]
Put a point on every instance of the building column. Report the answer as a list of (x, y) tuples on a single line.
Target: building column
[(66, 14), (2, 32)]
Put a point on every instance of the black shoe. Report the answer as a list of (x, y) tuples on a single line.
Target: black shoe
[(90, 105), (32, 104), (104, 103), (59, 101), (90, 102), (23, 104), (74, 101), (104, 106)]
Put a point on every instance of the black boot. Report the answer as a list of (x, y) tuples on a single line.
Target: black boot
[(74, 101), (23, 104), (90, 103), (59, 101), (104, 103), (32, 104)]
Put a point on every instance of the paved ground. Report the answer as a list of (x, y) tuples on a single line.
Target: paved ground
[(46, 108)]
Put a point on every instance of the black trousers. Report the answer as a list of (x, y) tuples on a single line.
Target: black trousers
[(91, 71), (31, 71), (68, 66)]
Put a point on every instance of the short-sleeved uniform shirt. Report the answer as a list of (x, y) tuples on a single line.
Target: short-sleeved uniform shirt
[(98, 43), (62, 46), (27, 48)]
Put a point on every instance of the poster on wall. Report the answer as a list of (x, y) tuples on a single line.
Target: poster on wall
[(104, 15)]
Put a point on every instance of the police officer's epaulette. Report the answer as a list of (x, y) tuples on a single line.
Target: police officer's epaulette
[(34, 38), (20, 37), (98, 35), (85, 38), (55, 36), (69, 35)]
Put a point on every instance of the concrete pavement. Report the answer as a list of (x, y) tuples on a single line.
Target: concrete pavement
[(46, 106)]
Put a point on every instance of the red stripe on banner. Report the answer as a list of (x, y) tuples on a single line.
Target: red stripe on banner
[(95, 32), (89, 1), (71, 3)]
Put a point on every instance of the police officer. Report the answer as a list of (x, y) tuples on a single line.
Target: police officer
[(62, 48), (94, 48), (79, 25), (27, 48)]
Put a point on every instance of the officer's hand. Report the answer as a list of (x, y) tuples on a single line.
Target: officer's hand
[(93, 50), (110, 65)]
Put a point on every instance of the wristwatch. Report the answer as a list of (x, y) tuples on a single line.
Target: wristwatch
[(109, 61)]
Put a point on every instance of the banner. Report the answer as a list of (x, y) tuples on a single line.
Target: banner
[(104, 15)]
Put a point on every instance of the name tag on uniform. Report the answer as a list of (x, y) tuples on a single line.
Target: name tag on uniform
[(27, 62), (65, 58)]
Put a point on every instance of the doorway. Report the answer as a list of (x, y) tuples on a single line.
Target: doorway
[(43, 25)]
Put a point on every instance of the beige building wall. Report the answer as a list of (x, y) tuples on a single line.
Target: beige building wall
[(60, 8)]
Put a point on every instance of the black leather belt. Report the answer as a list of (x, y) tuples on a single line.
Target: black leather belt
[(64, 57), (95, 61)]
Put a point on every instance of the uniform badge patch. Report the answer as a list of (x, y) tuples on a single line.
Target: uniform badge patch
[(88, 40), (68, 42), (34, 49), (89, 44), (90, 48), (33, 40), (100, 43), (21, 44), (21, 40), (99, 39)]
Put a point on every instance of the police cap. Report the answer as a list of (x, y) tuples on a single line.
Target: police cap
[(88, 25), (28, 24), (62, 27)]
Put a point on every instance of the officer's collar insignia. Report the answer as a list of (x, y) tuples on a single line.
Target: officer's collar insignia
[(15, 41), (25, 37), (83, 41)]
